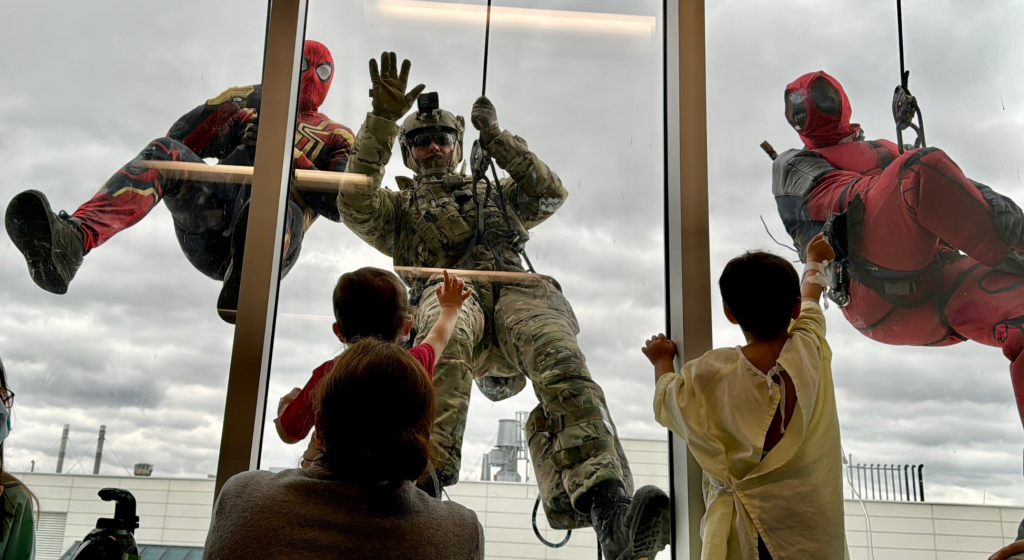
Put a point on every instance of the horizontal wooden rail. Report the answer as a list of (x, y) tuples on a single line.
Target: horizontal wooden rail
[(306, 179)]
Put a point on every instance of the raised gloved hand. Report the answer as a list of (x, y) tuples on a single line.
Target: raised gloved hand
[(390, 101), (1009, 218), (485, 119)]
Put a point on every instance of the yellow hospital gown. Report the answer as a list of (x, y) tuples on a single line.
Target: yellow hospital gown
[(722, 406)]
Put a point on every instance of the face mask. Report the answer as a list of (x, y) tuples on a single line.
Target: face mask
[(5, 422)]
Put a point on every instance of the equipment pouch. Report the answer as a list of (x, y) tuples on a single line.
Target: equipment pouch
[(449, 221)]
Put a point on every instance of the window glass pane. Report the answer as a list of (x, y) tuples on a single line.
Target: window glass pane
[(176, 553), (581, 83), (925, 240), (153, 552), (91, 97)]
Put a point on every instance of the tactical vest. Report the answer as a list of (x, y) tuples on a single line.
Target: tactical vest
[(440, 226)]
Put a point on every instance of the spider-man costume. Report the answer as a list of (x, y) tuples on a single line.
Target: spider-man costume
[(927, 257), (209, 218)]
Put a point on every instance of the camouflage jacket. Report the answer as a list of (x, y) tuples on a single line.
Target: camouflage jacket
[(431, 221)]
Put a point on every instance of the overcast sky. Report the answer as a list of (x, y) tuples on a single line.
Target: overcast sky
[(136, 343)]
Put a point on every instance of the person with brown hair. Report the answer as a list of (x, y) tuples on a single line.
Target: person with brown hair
[(18, 526), (371, 303), (358, 499)]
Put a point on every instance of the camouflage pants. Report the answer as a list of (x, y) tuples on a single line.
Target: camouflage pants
[(573, 442)]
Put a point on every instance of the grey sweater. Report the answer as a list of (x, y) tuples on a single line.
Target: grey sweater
[(294, 515)]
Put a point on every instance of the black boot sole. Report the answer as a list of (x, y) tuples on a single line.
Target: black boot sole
[(652, 528), (227, 301), (29, 224)]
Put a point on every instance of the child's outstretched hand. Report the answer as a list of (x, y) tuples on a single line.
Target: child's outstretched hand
[(818, 250), (659, 348), (661, 351), (287, 400), (452, 292)]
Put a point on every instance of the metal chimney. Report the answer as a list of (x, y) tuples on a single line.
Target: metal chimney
[(507, 451), (508, 432), (485, 468), (63, 446), (99, 451)]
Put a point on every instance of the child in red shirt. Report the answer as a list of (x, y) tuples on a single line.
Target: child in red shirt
[(372, 303)]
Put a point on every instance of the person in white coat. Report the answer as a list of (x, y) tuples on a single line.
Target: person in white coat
[(761, 419)]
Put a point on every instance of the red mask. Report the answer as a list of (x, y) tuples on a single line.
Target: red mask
[(818, 109), (317, 74)]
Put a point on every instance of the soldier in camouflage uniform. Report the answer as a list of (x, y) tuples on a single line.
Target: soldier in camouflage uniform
[(509, 330)]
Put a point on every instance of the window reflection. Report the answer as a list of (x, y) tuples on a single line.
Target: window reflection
[(932, 265), (104, 326), (577, 174)]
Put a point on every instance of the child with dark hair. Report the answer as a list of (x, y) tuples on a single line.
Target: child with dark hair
[(357, 499), (761, 419), (372, 303)]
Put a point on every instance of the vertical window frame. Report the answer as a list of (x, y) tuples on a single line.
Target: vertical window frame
[(687, 240), (245, 404)]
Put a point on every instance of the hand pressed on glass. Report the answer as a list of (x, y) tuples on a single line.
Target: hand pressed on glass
[(661, 351), (390, 100)]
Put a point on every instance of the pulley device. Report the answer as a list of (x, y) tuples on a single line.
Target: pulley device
[(904, 105)]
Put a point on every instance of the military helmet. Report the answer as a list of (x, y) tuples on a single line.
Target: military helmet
[(430, 116)]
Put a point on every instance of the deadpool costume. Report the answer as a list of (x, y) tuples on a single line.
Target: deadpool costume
[(209, 218), (925, 256)]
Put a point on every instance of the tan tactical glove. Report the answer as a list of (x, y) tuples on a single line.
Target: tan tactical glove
[(485, 119), (390, 101)]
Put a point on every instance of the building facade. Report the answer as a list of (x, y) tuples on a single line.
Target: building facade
[(176, 511)]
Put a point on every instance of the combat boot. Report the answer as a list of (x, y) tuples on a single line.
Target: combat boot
[(634, 528), (227, 302), (52, 244)]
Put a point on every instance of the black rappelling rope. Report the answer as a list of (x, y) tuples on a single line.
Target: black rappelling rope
[(536, 531), (487, 42), (904, 105), (899, 28)]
